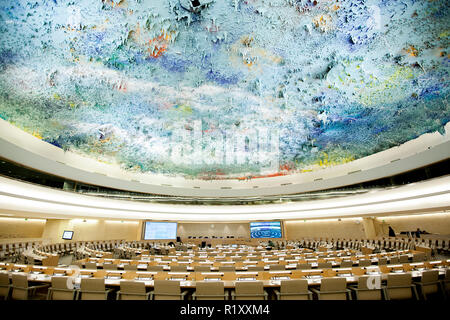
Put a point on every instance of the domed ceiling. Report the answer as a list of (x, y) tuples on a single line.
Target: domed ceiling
[(225, 89)]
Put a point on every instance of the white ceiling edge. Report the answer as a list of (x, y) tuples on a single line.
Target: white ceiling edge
[(21, 198), (18, 146)]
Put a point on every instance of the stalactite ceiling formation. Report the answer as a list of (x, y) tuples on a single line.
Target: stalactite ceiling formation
[(225, 89)]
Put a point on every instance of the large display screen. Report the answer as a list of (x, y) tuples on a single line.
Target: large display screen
[(160, 230), (267, 229), (67, 235)]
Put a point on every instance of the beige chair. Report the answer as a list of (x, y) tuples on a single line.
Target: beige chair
[(132, 290), (400, 286), (364, 263), (202, 268), (346, 264), (91, 265), (362, 292), (333, 289), (403, 258), (167, 290), (446, 283), (382, 261), (394, 260), (296, 289), (303, 266), (130, 267), (209, 290), (59, 290), (5, 286), (249, 290), (21, 290), (419, 257), (179, 268), (324, 265), (429, 283), (93, 289), (277, 267), (227, 268), (255, 268), (110, 266), (155, 268)]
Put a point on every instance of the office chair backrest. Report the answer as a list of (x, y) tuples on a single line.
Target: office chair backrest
[(248, 288), (179, 268), (329, 286), (227, 268), (93, 284), (430, 276), (20, 287), (155, 268), (399, 286), (419, 257), (167, 290), (362, 282), (4, 285), (20, 280), (396, 280), (277, 267), (255, 268), (429, 282), (333, 284), (365, 293), (346, 264), (60, 283), (92, 265), (294, 286), (131, 267), (364, 263), (208, 288), (324, 265), (296, 289), (109, 266), (303, 266), (394, 260), (130, 286), (202, 268), (4, 279)]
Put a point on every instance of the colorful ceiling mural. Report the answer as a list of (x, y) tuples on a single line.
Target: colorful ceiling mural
[(225, 89)]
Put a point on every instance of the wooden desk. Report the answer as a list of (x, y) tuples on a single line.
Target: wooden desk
[(188, 280)]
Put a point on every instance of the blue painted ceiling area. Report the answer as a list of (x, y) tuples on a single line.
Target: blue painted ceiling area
[(225, 89)]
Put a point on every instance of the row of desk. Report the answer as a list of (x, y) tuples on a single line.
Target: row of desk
[(213, 263), (277, 254), (187, 279)]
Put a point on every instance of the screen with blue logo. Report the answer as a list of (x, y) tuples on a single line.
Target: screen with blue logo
[(268, 229), (160, 230)]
